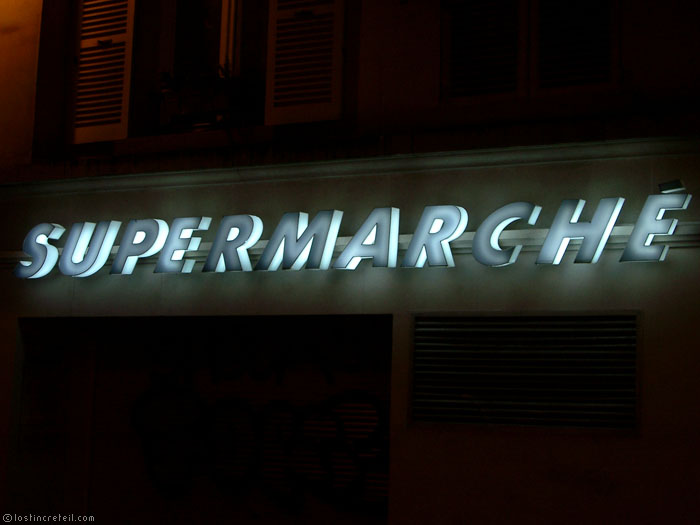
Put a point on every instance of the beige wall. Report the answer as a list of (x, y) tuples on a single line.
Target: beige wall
[(20, 22), (439, 473)]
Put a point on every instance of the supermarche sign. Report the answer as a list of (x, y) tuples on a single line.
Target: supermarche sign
[(298, 243)]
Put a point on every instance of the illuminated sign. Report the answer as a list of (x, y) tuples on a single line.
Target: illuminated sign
[(298, 243)]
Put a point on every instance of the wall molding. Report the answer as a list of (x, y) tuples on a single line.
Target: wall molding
[(365, 167)]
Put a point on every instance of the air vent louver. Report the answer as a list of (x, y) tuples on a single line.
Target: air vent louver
[(532, 370)]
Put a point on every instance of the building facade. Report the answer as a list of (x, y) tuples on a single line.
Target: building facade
[(446, 270)]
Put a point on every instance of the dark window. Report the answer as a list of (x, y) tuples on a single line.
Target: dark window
[(190, 69), (577, 371), (575, 42), (518, 46), (483, 47)]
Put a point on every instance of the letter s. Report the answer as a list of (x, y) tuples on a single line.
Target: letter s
[(44, 255)]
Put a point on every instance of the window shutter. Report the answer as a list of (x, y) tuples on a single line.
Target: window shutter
[(304, 61), (101, 101), (568, 370)]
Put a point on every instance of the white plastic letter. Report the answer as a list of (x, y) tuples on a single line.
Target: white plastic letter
[(377, 239), (438, 226), (44, 255), (651, 223), (141, 239), (566, 227)]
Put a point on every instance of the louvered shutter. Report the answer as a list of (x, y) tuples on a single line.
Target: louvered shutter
[(101, 101), (569, 370), (304, 62)]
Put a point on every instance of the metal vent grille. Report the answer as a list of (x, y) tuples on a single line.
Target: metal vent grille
[(575, 371), (483, 53), (103, 18), (100, 85), (575, 42), (303, 60)]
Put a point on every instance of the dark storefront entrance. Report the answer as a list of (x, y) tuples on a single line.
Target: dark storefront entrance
[(274, 419)]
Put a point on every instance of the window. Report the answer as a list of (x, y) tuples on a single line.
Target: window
[(574, 44), (568, 370), (482, 51), (520, 47), (190, 71), (127, 69)]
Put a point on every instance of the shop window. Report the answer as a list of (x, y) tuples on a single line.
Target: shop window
[(572, 371), (235, 419)]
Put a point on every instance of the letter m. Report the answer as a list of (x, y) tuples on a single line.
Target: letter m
[(296, 243)]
